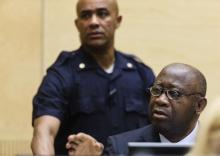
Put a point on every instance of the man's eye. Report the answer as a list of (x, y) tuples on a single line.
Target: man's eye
[(102, 14), (156, 91), (174, 94), (85, 15)]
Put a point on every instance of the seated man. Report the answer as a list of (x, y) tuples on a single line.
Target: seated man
[(178, 98)]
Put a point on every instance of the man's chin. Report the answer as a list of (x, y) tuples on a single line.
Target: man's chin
[(161, 128), (96, 42), (96, 46), (160, 124)]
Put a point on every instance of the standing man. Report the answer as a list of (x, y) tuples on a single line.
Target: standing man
[(96, 89)]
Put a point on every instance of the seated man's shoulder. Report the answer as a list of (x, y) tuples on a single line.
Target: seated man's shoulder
[(133, 135), (118, 144)]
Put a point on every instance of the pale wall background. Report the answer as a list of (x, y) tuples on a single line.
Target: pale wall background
[(32, 33), (159, 32), (20, 71)]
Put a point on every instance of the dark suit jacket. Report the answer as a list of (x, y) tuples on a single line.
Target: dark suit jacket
[(118, 144)]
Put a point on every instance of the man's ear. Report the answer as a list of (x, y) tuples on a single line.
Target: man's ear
[(119, 19), (76, 24), (200, 105)]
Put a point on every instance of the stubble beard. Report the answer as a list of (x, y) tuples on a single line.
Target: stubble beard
[(98, 48)]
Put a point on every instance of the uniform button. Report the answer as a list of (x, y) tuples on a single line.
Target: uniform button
[(129, 65), (82, 65)]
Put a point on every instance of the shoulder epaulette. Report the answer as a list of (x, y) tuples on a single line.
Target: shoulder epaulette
[(63, 57), (133, 57)]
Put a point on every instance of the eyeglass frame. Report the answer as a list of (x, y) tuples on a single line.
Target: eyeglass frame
[(181, 94)]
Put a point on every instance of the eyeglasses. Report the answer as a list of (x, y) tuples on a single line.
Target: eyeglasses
[(171, 94)]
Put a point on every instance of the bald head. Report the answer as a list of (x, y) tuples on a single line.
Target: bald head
[(175, 105), (112, 3), (192, 76)]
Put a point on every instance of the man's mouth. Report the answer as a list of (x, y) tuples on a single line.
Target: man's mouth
[(159, 114), (95, 35)]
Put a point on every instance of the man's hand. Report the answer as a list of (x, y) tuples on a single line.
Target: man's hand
[(84, 145)]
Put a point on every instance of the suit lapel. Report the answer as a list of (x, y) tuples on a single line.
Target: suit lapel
[(151, 135)]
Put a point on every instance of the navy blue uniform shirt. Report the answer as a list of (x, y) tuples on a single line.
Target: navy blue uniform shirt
[(87, 99)]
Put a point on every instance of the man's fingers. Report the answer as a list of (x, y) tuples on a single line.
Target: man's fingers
[(80, 137), (101, 146), (74, 139), (83, 144), (68, 145), (71, 152), (84, 137), (98, 147), (73, 143)]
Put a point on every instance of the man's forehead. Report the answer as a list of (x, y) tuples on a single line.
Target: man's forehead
[(170, 82), (94, 4), (176, 79)]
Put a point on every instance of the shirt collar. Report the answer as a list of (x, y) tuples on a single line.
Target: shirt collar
[(87, 62), (190, 138), (123, 62)]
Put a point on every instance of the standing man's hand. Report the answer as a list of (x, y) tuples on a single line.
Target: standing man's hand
[(83, 144)]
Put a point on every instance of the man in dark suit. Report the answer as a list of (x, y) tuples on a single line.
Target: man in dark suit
[(178, 98), (117, 144)]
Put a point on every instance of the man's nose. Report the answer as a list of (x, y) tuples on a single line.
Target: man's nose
[(162, 100), (94, 21)]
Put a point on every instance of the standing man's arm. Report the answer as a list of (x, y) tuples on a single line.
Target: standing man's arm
[(45, 131), (50, 106)]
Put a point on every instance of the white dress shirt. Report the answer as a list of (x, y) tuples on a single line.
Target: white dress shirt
[(190, 138)]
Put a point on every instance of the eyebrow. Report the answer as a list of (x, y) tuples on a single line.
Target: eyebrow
[(170, 85), (101, 8)]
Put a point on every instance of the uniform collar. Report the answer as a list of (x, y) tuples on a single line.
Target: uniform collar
[(87, 62), (123, 62)]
